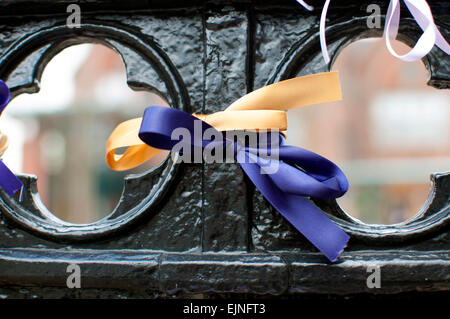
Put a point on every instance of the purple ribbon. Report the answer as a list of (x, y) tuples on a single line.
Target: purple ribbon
[(301, 174), (5, 95), (421, 12), (8, 180)]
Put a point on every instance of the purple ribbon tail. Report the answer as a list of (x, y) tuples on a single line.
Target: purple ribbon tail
[(8, 180), (302, 214)]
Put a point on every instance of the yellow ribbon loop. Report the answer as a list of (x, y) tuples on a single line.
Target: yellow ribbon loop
[(4, 143), (262, 109)]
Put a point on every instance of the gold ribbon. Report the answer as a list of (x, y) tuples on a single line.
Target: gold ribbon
[(4, 143), (262, 109)]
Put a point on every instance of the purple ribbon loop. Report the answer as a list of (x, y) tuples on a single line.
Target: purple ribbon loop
[(5, 95), (8, 181), (300, 174)]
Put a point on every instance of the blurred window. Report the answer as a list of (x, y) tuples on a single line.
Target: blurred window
[(59, 133)]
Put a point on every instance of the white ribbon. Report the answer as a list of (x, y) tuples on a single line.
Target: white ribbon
[(421, 12)]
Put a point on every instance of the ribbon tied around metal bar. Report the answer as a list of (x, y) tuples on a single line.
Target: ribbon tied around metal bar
[(8, 180)]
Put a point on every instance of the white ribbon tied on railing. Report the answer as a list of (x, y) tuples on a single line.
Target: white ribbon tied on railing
[(421, 12)]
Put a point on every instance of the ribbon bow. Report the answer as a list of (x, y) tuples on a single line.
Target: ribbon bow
[(300, 174), (8, 181), (421, 12)]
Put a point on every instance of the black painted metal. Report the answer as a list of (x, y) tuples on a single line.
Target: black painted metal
[(200, 56)]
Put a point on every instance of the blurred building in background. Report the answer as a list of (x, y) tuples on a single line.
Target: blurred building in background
[(63, 130), (388, 134)]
